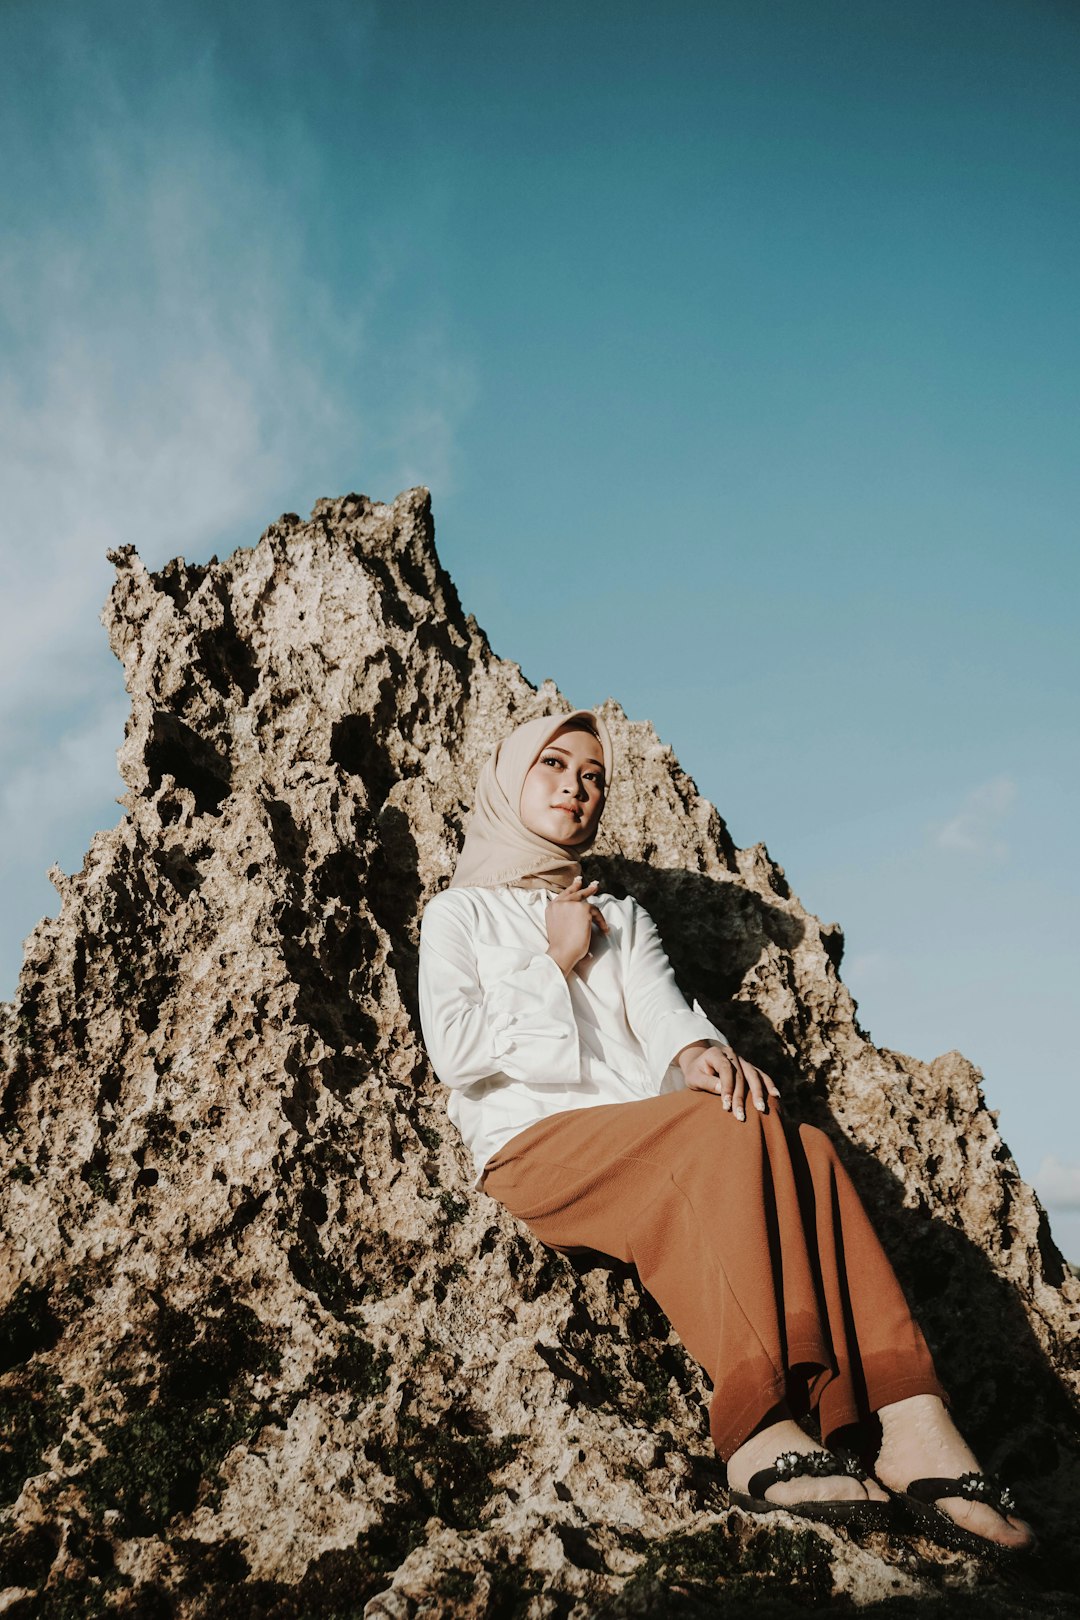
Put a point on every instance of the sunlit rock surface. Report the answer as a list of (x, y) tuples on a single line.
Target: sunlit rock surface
[(263, 1352)]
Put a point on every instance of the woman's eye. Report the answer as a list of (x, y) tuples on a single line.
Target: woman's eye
[(553, 759)]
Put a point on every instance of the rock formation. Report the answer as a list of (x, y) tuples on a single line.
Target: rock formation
[(263, 1353)]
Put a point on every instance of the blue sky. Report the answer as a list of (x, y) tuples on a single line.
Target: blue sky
[(738, 345)]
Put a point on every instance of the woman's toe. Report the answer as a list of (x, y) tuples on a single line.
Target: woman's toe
[(983, 1520), (1024, 1533)]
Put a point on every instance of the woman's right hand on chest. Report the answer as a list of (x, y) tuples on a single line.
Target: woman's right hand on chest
[(570, 919)]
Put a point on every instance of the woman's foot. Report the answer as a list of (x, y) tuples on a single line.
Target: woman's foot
[(920, 1441), (762, 1450)]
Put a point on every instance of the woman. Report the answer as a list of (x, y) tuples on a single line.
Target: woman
[(607, 1114)]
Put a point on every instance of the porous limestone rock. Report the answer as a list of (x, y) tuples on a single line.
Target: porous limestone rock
[(263, 1352)]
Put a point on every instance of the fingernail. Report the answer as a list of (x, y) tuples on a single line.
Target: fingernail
[(759, 1105), (739, 1114), (727, 1104)]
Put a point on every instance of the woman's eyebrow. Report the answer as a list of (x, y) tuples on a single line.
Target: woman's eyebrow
[(555, 749)]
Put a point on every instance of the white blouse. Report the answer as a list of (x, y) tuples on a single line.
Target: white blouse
[(515, 1039)]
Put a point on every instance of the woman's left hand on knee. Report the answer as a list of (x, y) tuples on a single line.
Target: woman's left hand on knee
[(721, 1070)]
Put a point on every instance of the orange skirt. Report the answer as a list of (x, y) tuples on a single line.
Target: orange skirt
[(750, 1236)]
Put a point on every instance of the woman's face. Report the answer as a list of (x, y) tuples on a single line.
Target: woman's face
[(562, 795)]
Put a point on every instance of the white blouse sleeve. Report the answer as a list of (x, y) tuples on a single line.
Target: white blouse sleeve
[(656, 1008), (522, 1025)]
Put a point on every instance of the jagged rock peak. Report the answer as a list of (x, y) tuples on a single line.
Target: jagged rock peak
[(263, 1352)]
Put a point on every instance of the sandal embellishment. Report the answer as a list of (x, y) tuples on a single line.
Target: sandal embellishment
[(984, 1488), (816, 1464), (974, 1487)]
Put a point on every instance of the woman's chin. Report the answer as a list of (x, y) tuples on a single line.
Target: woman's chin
[(563, 830)]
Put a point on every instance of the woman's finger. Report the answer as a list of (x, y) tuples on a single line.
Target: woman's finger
[(755, 1080), (574, 891), (727, 1080), (766, 1082), (738, 1097)]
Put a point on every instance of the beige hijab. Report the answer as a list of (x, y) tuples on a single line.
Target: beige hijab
[(499, 849)]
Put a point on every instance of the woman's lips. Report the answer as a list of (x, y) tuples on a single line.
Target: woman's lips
[(565, 808)]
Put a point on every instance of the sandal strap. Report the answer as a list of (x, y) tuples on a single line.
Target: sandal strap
[(796, 1464), (976, 1487)]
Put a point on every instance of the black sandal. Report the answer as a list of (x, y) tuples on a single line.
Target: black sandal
[(921, 1495), (865, 1515)]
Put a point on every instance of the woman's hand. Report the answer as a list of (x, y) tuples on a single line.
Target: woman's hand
[(569, 919), (719, 1069)]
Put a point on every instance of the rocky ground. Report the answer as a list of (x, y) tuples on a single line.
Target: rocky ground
[(263, 1354)]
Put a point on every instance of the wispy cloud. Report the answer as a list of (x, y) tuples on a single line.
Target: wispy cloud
[(182, 356), (153, 390), (157, 408), (1058, 1184), (975, 828)]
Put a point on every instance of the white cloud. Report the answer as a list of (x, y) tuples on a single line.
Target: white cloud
[(1058, 1184), (974, 829), (183, 355), (176, 368), (154, 411)]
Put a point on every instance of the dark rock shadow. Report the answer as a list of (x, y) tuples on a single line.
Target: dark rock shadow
[(174, 749), (393, 892), (713, 934), (321, 957)]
